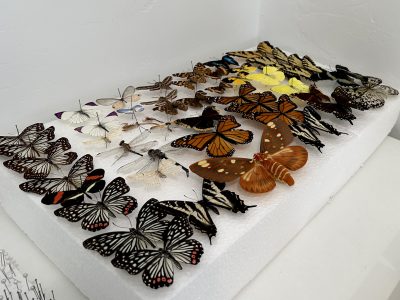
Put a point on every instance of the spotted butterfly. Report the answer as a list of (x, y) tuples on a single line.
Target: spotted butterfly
[(42, 166), (158, 265), (72, 181), (258, 175), (95, 216), (149, 230)]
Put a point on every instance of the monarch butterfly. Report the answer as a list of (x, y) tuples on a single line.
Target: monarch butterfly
[(245, 95), (214, 195), (266, 102), (286, 111), (258, 175), (157, 265), (219, 143), (322, 102)]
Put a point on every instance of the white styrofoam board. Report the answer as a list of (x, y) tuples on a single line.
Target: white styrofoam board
[(244, 243)]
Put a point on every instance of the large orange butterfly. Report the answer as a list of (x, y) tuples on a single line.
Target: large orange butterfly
[(258, 175), (219, 143), (286, 111)]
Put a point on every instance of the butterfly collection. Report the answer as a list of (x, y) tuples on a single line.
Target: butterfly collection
[(144, 138)]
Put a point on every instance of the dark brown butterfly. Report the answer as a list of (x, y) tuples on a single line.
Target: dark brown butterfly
[(286, 111), (265, 102), (322, 102), (258, 174), (205, 122), (200, 74), (199, 98), (167, 103), (220, 89), (245, 95), (159, 85)]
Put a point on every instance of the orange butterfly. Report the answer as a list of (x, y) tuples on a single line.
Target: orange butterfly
[(219, 143), (266, 102), (245, 95), (286, 111), (258, 175)]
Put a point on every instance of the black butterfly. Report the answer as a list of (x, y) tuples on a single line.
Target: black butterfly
[(149, 230), (34, 168), (213, 196), (93, 183), (322, 102), (225, 61), (158, 265), (314, 120), (206, 121), (34, 144), (27, 135), (72, 181), (96, 215)]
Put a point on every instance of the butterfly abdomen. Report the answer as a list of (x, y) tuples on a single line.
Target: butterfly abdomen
[(278, 171)]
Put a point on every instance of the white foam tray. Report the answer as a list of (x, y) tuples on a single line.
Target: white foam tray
[(245, 243)]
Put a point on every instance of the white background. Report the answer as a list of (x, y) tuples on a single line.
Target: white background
[(53, 53)]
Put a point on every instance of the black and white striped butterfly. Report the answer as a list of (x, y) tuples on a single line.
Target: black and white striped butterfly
[(34, 168), (96, 216), (78, 116), (149, 230), (158, 265), (27, 135), (315, 122), (213, 196), (33, 145), (307, 135), (93, 183), (72, 181), (371, 94)]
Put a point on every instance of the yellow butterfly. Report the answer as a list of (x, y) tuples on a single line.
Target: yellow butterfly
[(294, 86), (239, 79), (269, 76), (245, 68)]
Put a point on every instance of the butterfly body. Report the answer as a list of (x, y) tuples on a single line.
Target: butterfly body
[(259, 173), (158, 265)]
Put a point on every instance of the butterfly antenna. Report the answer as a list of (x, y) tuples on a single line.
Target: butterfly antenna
[(80, 105), (98, 118), (16, 126), (119, 92)]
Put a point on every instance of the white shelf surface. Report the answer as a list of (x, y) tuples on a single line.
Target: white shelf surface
[(348, 251)]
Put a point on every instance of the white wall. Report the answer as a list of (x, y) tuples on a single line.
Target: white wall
[(361, 34), (54, 52)]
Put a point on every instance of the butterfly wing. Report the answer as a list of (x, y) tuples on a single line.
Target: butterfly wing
[(257, 180), (197, 141), (114, 199), (276, 136), (291, 157), (222, 169), (108, 243), (213, 193), (196, 213), (107, 101)]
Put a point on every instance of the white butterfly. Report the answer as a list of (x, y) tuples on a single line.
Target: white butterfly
[(79, 116), (118, 103), (103, 128)]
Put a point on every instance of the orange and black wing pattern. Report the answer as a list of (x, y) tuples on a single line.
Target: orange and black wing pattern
[(265, 102), (219, 143), (286, 112), (245, 95)]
